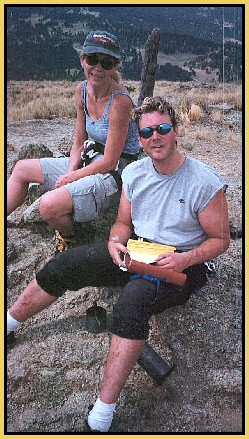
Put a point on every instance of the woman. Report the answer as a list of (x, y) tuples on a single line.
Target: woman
[(75, 192)]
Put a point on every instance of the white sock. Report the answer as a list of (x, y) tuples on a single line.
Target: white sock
[(12, 324), (101, 415)]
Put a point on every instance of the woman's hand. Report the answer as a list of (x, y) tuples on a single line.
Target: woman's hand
[(67, 178), (174, 261), (117, 252)]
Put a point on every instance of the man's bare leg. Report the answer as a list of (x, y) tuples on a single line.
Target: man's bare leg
[(122, 357), (32, 300)]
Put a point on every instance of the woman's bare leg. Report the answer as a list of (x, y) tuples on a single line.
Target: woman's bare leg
[(24, 172)]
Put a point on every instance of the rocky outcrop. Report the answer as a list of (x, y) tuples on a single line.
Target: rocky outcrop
[(55, 366)]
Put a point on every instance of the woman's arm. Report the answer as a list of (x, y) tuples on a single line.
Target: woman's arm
[(119, 119), (79, 139), (80, 131)]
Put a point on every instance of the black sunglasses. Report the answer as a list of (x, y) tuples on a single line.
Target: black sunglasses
[(106, 63), (162, 129)]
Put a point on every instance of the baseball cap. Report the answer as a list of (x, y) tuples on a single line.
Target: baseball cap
[(102, 42)]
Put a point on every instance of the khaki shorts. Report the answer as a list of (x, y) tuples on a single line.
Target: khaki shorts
[(91, 195)]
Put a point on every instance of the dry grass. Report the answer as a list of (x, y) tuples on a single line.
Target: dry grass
[(205, 134), (195, 113), (204, 97), (217, 116), (212, 134), (29, 100), (40, 100), (47, 100)]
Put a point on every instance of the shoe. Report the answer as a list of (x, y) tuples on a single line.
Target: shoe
[(87, 429), (63, 243)]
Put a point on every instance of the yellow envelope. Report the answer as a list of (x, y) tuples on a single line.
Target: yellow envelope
[(147, 252)]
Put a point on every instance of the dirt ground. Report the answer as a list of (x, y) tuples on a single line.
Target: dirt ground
[(55, 366)]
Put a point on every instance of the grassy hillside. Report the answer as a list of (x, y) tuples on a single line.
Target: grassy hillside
[(53, 99)]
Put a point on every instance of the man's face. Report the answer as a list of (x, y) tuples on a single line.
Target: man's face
[(159, 147)]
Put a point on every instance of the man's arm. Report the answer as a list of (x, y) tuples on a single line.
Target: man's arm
[(120, 231), (215, 223)]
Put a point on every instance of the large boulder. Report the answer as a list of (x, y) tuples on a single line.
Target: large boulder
[(33, 151)]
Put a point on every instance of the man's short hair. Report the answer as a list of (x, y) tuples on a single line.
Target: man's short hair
[(151, 104)]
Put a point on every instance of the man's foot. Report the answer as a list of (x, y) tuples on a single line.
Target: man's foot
[(87, 429)]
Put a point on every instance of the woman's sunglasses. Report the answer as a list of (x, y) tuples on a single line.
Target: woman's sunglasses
[(106, 63), (162, 129)]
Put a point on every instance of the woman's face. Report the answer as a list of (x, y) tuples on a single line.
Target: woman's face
[(98, 67)]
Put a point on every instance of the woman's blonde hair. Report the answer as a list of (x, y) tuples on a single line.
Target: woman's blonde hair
[(116, 76)]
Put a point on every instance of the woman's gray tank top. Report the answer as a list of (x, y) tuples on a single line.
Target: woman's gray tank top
[(98, 130)]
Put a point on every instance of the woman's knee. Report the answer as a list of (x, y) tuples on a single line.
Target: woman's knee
[(20, 170), (47, 207), (28, 171), (53, 204)]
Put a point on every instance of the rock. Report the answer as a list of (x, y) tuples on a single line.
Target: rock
[(32, 213), (34, 192), (224, 107), (235, 232), (55, 366), (65, 146), (11, 251), (10, 147), (34, 151)]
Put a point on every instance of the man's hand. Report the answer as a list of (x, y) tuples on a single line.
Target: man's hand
[(117, 252), (67, 178), (174, 261)]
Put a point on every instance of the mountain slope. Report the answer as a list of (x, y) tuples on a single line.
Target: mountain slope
[(40, 39)]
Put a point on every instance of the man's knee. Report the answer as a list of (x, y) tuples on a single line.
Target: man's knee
[(74, 269), (133, 310), (51, 278)]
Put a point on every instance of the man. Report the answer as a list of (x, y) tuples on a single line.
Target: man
[(167, 198)]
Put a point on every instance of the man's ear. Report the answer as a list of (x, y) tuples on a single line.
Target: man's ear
[(176, 131), (140, 141)]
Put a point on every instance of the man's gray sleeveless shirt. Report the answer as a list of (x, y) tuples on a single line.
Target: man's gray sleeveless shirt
[(165, 207)]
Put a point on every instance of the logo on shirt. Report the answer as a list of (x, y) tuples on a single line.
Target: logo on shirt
[(182, 201)]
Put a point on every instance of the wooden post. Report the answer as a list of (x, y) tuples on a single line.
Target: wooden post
[(149, 65)]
